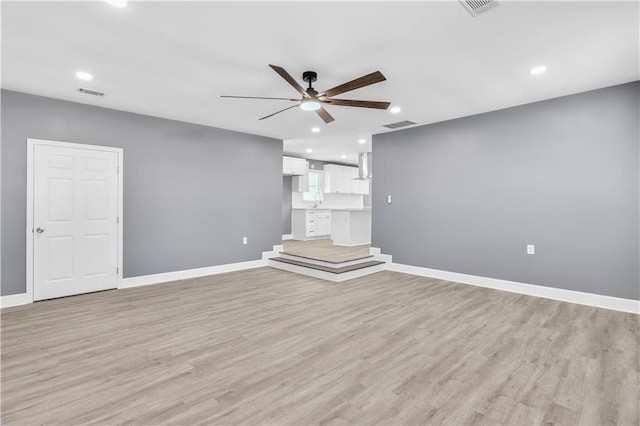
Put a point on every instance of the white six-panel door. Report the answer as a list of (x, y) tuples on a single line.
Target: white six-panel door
[(75, 220)]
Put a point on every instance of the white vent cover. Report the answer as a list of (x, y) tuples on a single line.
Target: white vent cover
[(476, 7), (90, 92)]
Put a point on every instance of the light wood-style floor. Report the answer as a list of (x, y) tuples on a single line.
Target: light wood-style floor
[(323, 249), (265, 346)]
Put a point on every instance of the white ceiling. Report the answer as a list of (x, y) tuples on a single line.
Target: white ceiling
[(174, 59)]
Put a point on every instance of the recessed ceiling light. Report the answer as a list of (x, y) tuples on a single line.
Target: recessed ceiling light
[(537, 70), (395, 110), (315, 129), (83, 75), (117, 3), (362, 141), (343, 156), (309, 150)]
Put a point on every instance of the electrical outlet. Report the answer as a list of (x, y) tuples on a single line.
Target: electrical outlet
[(245, 240), (388, 199), (531, 249)]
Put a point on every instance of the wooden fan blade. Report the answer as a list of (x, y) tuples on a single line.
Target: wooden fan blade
[(324, 115), (278, 112), (374, 77), (259, 97), (359, 104), (284, 74)]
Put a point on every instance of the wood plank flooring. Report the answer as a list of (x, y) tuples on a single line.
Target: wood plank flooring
[(323, 249), (265, 346)]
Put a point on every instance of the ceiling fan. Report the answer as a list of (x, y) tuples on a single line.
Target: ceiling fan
[(312, 100)]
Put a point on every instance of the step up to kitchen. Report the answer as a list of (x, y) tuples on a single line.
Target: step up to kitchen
[(330, 271), (325, 261)]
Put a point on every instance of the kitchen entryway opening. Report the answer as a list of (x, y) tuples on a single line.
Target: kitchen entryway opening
[(326, 211)]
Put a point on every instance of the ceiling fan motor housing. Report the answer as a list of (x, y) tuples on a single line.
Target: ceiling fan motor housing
[(309, 76)]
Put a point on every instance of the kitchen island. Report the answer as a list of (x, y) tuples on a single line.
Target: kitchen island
[(351, 227)]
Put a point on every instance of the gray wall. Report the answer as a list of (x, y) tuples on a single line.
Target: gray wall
[(190, 192), (469, 194), (286, 204)]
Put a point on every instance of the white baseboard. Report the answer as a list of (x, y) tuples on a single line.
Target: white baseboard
[(21, 299), (189, 273), (589, 299), (375, 251), (287, 237), (14, 300)]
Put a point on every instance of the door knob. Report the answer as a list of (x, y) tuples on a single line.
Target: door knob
[(39, 230)]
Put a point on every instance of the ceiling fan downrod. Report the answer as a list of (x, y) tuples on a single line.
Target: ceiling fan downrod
[(310, 77)]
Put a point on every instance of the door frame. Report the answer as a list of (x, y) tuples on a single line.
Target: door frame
[(31, 145)]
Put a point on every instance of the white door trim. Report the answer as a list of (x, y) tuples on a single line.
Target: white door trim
[(31, 144)]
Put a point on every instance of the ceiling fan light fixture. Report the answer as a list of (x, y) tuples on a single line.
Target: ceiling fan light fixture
[(310, 105)]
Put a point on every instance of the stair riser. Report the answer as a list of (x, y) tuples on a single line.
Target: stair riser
[(375, 251), (323, 263), (361, 273), (268, 254), (328, 276), (383, 257)]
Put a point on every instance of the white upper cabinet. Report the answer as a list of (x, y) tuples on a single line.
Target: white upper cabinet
[(300, 183), (359, 186), (342, 180), (333, 179), (362, 186), (294, 166)]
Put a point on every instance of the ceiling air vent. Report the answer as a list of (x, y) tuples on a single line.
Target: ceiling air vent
[(399, 124), (90, 92), (476, 7)]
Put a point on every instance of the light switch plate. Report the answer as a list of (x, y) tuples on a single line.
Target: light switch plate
[(531, 249), (245, 240)]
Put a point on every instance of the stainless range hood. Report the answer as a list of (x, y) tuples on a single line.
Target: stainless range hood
[(364, 166)]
